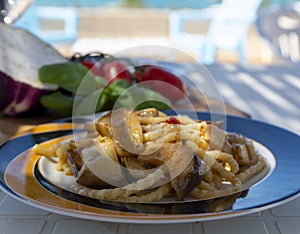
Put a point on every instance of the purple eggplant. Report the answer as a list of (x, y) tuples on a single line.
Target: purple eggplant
[(21, 56)]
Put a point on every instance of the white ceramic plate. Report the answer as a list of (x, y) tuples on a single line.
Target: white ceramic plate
[(19, 177)]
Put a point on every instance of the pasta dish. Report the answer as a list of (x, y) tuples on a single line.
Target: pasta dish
[(145, 156)]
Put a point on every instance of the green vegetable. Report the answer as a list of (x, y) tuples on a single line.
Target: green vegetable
[(66, 75), (58, 102), (90, 104), (81, 92), (117, 87), (154, 99), (139, 98)]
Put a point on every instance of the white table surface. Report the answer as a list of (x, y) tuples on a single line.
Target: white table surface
[(270, 94)]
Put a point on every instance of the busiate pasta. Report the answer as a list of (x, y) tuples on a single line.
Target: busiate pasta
[(221, 162)]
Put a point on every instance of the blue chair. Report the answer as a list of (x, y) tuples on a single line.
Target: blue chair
[(229, 25), (279, 25), (34, 16)]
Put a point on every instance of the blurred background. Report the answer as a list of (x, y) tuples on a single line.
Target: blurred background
[(251, 36)]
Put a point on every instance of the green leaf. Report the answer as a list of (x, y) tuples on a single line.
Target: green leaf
[(117, 87), (91, 103), (100, 81), (139, 97), (94, 94), (152, 99), (120, 83), (126, 100), (66, 75), (102, 102), (155, 104), (58, 102), (91, 83)]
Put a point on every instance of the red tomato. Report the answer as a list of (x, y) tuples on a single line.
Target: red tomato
[(116, 69), (88, 64), (89, 60), (162, 81), (172, 120), (108, 69)]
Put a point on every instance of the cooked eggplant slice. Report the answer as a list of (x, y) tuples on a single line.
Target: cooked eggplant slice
[(188, 170), (97, 165), (127, 130), (240, 154), (88, 179), (189, 178), (240, 149), (103, 125), (215, 136), (235, 138), (150, 112), (160, 156), (123, 126), (135, 169), (83, 174), (101, 159), (75, 161)]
